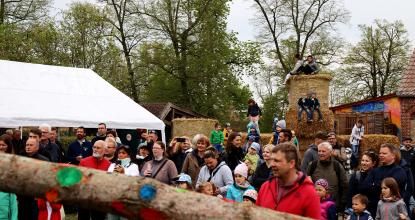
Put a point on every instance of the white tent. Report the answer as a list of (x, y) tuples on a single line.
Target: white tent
[(32, 94)]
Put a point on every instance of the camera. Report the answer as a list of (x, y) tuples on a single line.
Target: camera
[(182, 140), (118, 162)]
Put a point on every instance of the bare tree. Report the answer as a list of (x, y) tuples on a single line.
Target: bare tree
[(379, 58), (14, 11), (298, 26), (129, 32)]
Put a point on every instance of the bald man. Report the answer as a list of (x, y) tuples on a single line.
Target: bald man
[(96, 161), (27, 206)]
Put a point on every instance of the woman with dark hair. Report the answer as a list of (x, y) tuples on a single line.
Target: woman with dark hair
[(389, 158), (194, 160), (123, 164), (234, 154), (215, 171), (8, 201), (160, 168), (369, 161)]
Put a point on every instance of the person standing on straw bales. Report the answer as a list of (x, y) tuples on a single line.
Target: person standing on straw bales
[(355, 138), (254, 113)]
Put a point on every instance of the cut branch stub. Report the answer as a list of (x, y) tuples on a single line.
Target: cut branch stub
[(116, 193)]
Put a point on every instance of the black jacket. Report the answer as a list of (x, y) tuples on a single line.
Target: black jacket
[(254, 110), (262, 174), (234, 157), (51, 151), (27, 205), (178, 159)]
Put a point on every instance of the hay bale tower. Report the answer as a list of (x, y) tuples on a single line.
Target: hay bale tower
[(192, 126), (299, 86)]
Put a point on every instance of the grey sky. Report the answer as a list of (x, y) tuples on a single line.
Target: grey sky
[(362, 12)]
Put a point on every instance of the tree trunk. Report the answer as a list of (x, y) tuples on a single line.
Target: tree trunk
[(132, 197), (2, 11)]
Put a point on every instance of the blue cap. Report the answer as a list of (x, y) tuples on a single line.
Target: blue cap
[(184, 178)]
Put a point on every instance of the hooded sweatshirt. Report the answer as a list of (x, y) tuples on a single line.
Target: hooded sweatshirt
[(221, 176), (390, 210)]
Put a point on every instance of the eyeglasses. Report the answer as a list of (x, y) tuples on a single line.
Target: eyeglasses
[(158, 148)]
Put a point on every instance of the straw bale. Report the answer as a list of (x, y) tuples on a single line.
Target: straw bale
[(304, 129), (192, 126), (299, 86), (370, 141)]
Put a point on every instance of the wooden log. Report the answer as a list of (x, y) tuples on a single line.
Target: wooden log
[(132, 197)]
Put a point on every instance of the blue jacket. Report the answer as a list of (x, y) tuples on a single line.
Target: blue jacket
[(75, 149), (363, 216), (8, 206), (236, 193)]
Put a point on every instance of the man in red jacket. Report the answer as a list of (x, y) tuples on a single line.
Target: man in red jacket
[(289, 190), (96, 161)]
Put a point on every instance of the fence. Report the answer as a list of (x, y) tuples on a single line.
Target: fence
[(374, 122)]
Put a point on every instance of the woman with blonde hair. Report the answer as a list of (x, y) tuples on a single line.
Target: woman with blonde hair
[(263, 170), (194, 160)]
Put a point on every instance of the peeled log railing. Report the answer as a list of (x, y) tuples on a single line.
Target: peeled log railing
[(131, 197)]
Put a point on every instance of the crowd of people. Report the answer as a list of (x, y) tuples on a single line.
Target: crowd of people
[(323, 184)]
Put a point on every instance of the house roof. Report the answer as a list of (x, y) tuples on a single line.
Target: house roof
[(161, 110), (407, 84), (348, 105)]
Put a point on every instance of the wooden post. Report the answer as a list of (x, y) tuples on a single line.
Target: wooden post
[(131, 197)]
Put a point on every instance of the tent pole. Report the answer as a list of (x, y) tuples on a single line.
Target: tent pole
[(163, 136)]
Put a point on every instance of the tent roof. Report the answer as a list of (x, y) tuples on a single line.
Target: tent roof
[(65, 97)]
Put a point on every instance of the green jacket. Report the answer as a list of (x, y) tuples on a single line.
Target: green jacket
[(8, 206), (216, 137)]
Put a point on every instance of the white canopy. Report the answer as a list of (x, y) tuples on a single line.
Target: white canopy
[(32, 94)]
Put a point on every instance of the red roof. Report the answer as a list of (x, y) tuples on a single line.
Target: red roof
[(407, 84)]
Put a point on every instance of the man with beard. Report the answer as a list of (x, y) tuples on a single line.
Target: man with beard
[(289, 185), (96, 161), (80, 148)]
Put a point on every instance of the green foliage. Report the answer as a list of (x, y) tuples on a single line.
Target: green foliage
[(274, 105)]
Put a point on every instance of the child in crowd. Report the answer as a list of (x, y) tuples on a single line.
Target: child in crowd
[(253, 131), (359, 204), (391, 205), (246, 146), (184, 181), (327, 205), (250, 196), (294, 140), (253, 154), (216, 138), (226, 132), (281, 124), (237, 190), (206, 188)]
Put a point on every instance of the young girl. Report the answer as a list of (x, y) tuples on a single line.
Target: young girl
[(184, 182), (236, 191), (391, 206), (327, 206), (206, 188), (250, 196)]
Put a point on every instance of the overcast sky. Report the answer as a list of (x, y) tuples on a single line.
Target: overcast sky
[(362, 12)]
